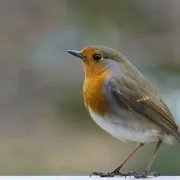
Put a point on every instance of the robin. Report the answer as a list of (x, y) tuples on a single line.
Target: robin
[(123, 103)]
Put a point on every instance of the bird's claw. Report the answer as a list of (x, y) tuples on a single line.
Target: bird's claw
[(102, 174), (144, 174), (109, 174)]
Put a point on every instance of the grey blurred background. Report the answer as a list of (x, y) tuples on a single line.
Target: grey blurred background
[(44, 127)]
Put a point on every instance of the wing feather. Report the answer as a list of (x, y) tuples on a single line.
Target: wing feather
[(139, 96)]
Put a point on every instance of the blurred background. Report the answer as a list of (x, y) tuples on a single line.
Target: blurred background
[(44, 126)]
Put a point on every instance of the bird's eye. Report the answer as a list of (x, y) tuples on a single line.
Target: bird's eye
[(97, 57)]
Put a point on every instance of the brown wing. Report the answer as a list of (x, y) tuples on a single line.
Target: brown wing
[(138, 95)]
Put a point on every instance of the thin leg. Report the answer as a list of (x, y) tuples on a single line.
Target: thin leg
[(127, 158), (148, 172), (116, 171), (154, 155)]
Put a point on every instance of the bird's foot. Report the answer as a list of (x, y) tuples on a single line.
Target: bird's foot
[(144, 174), (109, 174)]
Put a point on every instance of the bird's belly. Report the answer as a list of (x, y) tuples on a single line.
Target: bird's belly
[(126, 132)]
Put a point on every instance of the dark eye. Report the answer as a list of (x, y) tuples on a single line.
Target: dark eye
[(97, 57)]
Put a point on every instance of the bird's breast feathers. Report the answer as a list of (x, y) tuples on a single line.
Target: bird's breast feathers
[(94, 97)]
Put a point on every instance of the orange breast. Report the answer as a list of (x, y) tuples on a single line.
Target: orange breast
[(94, 97)]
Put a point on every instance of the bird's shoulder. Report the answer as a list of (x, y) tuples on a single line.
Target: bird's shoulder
[(132, 84)]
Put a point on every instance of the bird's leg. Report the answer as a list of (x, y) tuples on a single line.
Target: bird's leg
[(116, 171), (148, 172)]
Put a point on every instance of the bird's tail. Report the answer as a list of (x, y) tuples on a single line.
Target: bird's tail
[(172, 140), (176, 142)]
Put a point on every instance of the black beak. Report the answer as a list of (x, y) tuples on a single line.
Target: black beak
[(77, 54)]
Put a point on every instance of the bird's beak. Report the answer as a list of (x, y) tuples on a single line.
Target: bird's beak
[(77, 54)]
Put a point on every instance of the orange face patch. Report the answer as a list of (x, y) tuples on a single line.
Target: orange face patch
[(89, 52), (95, 74), (91, 67)]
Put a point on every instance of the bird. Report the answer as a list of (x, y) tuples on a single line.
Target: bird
[(123, 102)]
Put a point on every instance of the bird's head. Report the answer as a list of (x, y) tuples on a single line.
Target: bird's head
[(99, 59)]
